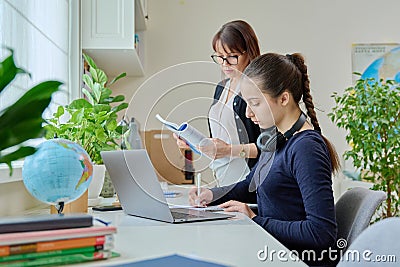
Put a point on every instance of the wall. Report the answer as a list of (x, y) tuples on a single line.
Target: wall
[(181, 31), (38, 33)]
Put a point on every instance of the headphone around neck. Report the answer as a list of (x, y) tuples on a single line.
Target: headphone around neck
[(275, 139)]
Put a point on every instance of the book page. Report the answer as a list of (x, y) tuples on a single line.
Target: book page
[(191, 135)]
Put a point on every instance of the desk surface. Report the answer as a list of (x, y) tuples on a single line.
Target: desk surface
[(234, 242)]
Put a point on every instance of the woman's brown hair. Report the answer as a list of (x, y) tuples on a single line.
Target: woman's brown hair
[(238, 36), (276, 73)]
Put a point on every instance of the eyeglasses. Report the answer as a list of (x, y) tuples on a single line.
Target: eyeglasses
[(231, 60)]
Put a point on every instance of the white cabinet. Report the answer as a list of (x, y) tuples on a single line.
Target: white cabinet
[(113, 33)]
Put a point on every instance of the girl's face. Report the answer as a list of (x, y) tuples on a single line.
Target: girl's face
[(226, 55), (261, 108)]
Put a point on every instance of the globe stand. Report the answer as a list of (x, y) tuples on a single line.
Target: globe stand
[(60, 207), (77, 206)]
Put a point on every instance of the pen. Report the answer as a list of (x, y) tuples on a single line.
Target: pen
[(198, 188)]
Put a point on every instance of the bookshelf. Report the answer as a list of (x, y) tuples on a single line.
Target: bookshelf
[(113, 33)]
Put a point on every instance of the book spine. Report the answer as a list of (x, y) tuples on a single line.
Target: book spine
[(106, 241), (65, 259), (50, 235), (34, 255)]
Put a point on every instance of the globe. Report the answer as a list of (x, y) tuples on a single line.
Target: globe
[(59, 172)]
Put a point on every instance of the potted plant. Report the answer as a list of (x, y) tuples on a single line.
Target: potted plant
[(17, 123), (92, 121), (370, 112)]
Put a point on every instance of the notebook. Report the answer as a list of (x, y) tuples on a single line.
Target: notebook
[(139, 190)]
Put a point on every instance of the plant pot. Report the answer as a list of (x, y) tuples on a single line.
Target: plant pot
[(96, 185)]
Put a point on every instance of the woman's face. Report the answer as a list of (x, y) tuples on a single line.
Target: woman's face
[(260, 106), (232, 71)]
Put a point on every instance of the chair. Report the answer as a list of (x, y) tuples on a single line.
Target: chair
[(354, 211), (380, 241)]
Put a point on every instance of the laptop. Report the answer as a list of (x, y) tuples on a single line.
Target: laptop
[(139, 190)]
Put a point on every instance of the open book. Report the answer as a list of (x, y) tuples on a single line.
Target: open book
[(191, 135)]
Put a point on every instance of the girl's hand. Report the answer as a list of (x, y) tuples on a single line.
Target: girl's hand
[(205, 197), (236, 206)]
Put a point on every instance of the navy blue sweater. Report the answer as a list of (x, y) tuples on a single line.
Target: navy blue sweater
[(295, 198)]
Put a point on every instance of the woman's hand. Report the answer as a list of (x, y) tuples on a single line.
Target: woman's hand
[(215, 148), (181, 143), (236, 206), (205, 197)]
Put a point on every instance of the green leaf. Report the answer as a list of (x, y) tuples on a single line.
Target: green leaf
[(8, 71), (90, 61), (118, 98), (88, 81), (93, 72), (20, 131), (120, 107), (20, 153), (37, 99), (88, 95), (77, 116), (117, 78), (111, 125), (79, 104), (60, 112), (97, 92), (100, 135), (102, 77), (106, 96), (98, 108)]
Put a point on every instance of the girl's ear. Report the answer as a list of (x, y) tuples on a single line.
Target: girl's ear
[(284, 98)]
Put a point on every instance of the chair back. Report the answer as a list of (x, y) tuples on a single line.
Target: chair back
[(378, 245), (354, 211)]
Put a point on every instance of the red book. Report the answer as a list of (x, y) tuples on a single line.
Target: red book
[(49, 235)]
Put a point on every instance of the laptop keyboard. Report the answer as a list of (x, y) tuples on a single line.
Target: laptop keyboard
[(178, 215)]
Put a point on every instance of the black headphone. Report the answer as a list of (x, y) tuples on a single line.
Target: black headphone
[(276, 139)]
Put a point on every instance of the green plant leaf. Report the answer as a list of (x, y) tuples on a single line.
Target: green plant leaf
[(8, 71), (118, 98), (60, 112), (80, 104), (111, 125), (119, 107), (90, 61), (20, 153), (101, 77), (93, 73), (77, 116), (88, 95), (97, 92), (101, 107), (22, 130), (117, 78), (37, 99), (88, 81)]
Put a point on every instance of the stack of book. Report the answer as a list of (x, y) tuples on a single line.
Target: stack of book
[(50, 246)]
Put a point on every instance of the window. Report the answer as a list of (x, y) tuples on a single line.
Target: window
[(44, 35)]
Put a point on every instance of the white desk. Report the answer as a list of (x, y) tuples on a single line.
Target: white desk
[(234, 242)]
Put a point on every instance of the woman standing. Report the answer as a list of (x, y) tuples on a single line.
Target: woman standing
[(232, 134)]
